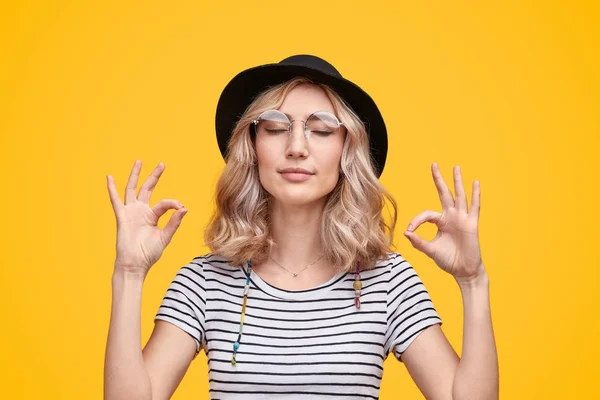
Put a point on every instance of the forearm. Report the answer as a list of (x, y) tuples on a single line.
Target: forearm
[(125, 374), (477, 373)]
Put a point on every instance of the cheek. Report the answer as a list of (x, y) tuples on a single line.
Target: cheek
[(333, 154), (329, 162), (266, 166), (265, 157)]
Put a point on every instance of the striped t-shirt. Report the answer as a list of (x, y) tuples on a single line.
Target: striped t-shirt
[(304, 344)]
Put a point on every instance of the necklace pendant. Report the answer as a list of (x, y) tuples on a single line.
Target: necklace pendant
[(295, 275)]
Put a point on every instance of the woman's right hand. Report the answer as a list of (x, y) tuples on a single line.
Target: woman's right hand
[(140, 242)]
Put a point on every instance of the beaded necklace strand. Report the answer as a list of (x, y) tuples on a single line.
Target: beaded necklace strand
[(357, 286), (236, 345)]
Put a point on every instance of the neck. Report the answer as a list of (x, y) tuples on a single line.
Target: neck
[(295, 231)]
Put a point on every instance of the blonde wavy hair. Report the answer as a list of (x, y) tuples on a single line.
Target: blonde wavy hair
[(352, 226)]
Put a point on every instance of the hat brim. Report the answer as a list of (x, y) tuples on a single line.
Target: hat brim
[(245, 86)]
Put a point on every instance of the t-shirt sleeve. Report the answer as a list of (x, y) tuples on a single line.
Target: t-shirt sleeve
[(409, 307), (184, 303)]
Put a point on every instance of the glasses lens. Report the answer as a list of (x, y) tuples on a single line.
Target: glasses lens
[(322, 122), (272, 122)]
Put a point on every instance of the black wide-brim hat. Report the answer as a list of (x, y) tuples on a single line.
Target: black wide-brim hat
[(245, 86)]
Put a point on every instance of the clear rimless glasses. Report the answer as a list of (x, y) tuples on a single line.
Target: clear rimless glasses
[(275, 124)]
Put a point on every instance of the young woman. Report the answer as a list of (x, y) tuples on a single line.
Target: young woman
[(301, 296)]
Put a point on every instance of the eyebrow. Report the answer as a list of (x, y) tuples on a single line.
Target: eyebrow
[(306, 116)]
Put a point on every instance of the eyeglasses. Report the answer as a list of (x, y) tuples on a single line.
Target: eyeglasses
[(275, 124)]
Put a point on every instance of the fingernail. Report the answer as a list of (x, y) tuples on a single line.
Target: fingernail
[(410, 227)]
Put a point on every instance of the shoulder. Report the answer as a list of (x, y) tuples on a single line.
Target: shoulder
[(213, 267), (397, 270), (393, 263), (386, 269), (210, 261)]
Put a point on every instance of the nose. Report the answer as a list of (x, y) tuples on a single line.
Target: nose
[(297, 143)]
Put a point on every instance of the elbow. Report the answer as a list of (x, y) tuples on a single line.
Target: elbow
[(127, 395), (475, 392), (128, 392)]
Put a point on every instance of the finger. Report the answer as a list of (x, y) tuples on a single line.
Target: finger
[(132, 182), (165, 205), (443, 191), (419, 243), (425, 216), (148, 186), (115, 200), (171, 227), (476, 199), (459, 189)]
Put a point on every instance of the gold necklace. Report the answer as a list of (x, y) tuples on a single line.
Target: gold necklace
[(295, 274)]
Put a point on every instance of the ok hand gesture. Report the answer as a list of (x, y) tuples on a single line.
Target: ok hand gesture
[(140, 242), (455, 248)]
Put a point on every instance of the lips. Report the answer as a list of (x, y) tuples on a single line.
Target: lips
[(295, 174), (295, 171)]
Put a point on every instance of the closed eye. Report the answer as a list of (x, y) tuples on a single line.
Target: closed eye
[(324, 133)]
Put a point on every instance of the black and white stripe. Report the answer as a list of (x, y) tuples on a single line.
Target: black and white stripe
[(298, 344)]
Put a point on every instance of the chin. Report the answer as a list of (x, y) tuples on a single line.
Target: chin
[(298, 196), (299, 199)]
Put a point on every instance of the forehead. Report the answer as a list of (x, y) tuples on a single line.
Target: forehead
[(304, 100)]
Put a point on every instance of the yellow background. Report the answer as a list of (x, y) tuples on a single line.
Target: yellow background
[(507, 90)]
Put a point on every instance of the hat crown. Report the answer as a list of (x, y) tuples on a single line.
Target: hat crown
[(313, 62)]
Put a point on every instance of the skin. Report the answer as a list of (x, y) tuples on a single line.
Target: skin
[(296, 208), (431, 361)]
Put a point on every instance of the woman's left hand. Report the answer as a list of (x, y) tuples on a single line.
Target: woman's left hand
[(455, 248)]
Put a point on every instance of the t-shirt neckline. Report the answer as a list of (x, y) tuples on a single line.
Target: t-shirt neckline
[(303, 294)]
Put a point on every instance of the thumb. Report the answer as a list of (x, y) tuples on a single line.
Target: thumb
[(174, 222), (419, 243)]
